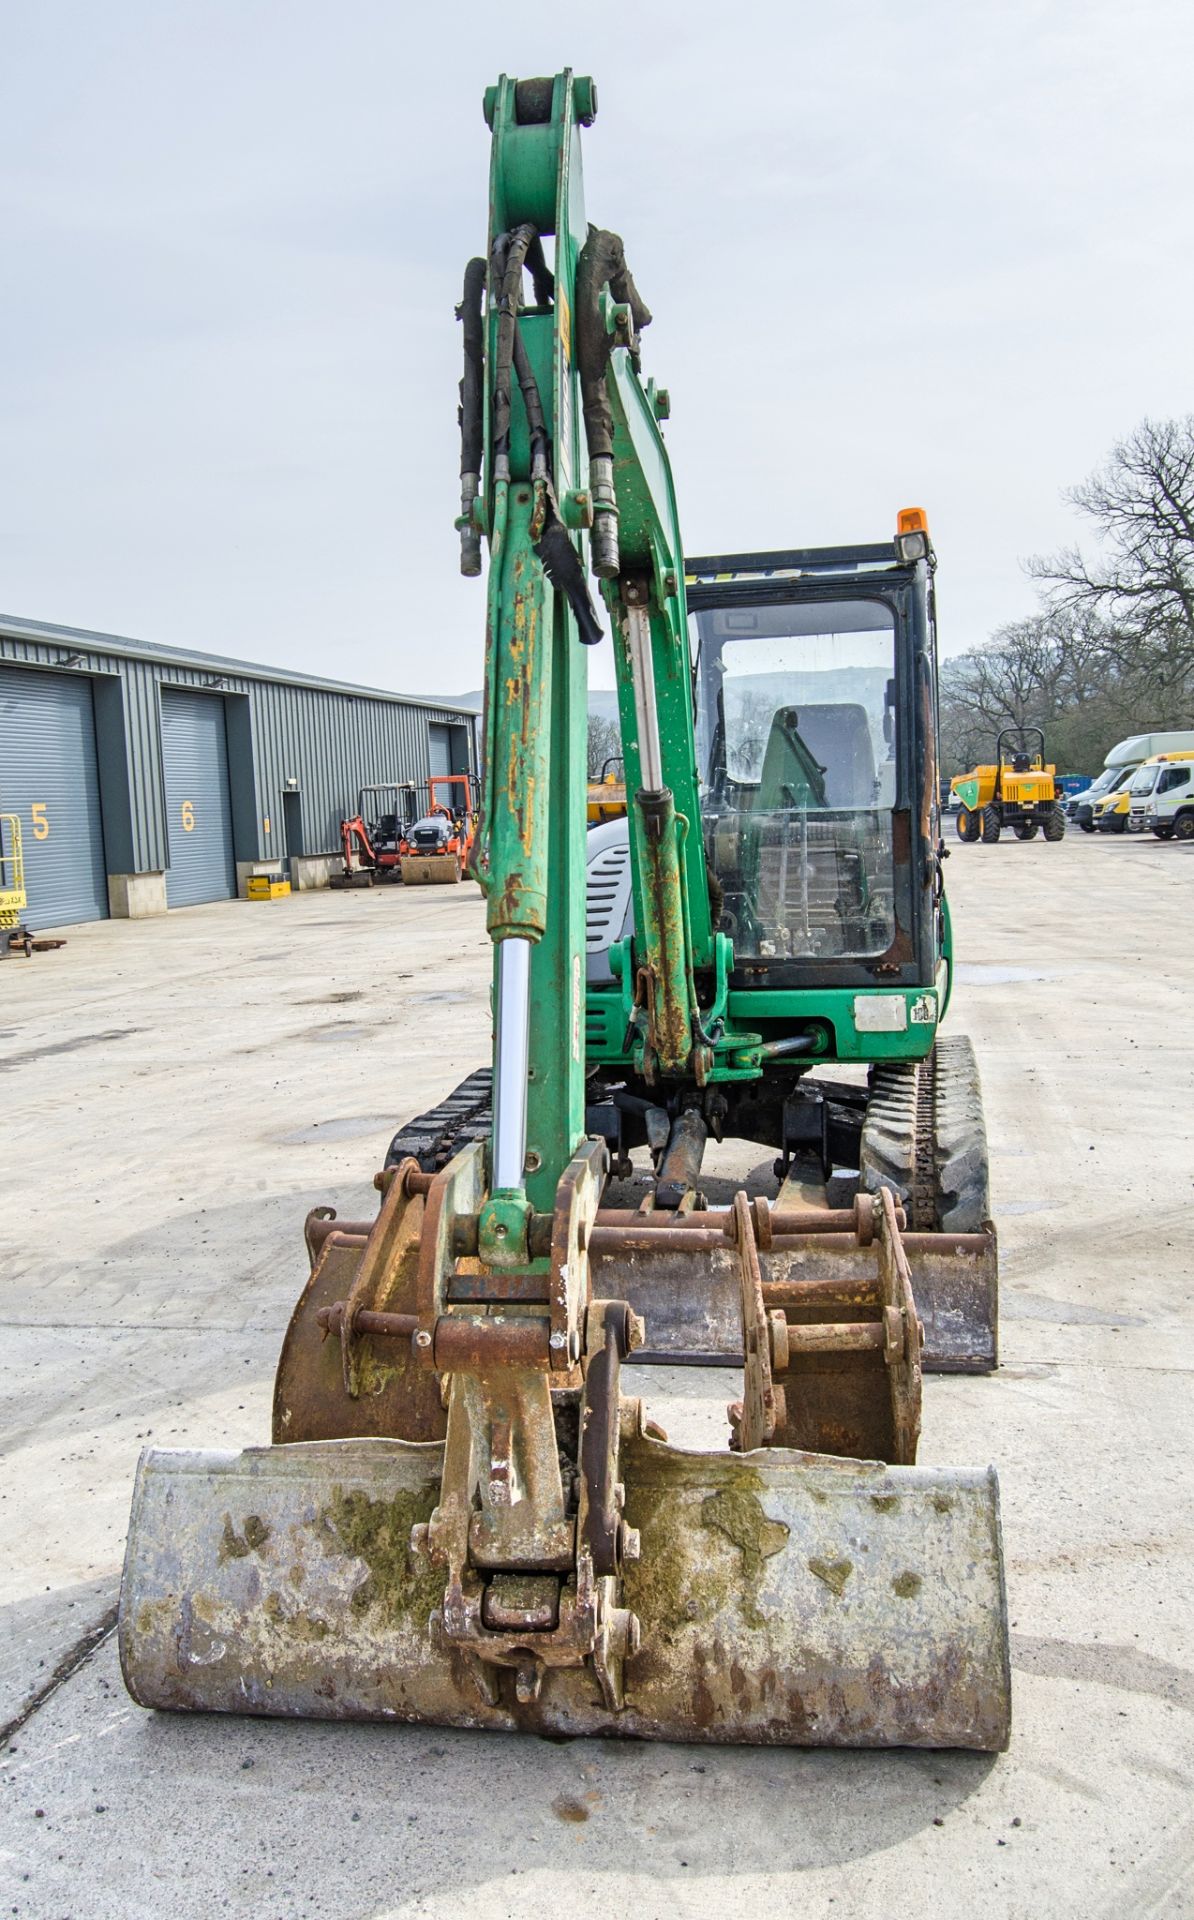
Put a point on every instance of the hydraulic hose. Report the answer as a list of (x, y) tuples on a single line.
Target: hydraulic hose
[(534, 408), (472, 424), (512, 252), (507, 262), (602, 263)]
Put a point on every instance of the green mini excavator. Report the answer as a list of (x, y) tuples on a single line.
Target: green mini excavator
[(463, 1517)]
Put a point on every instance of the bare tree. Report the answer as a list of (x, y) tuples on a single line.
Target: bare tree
[(1112, 652), (605, 743), (1052, 671), (1141, 583)]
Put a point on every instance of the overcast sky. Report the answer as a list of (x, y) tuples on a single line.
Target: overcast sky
[(935, 254)]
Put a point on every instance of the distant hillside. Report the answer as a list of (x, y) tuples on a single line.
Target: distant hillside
[(465, 702), (603, 702)]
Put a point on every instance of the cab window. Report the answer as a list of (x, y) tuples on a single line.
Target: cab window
[(797, 737)]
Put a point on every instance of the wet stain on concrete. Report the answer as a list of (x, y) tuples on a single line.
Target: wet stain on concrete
[(1065, 1313), (985, 976), (349, 1126), (67, 1046)]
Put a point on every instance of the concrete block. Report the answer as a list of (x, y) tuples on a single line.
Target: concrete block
[(136, 896), (309, 871)]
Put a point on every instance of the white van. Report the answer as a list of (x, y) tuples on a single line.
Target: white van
[(1104, 808), (1161, 796)]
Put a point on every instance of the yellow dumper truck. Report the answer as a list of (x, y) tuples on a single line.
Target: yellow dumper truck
[(1017, 790)]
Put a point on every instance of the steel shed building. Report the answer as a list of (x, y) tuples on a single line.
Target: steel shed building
[(146, 777)]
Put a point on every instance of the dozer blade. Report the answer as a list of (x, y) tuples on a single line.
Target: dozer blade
[(783, 1598)]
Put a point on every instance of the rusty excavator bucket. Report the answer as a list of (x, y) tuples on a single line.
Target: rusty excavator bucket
[(464, 1520)]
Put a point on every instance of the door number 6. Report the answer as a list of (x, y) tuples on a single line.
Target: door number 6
[(188, 816)]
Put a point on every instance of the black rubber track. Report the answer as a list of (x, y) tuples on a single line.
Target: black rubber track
[(924, 1137), (434, 1137)]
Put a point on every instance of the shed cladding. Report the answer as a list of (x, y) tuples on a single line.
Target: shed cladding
[(318, 740)]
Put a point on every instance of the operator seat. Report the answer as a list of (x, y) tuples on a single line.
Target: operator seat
[(837, 738)]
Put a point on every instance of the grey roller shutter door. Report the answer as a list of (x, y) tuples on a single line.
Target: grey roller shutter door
[(198, 801), (439, 748), (49, 776)]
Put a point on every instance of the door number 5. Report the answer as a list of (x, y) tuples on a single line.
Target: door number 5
[(41, 826), (188, 816)]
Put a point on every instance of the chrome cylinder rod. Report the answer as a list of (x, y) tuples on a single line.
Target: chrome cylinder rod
[(513, 1017), (638, 647)]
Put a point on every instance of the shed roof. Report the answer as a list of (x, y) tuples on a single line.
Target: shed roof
[(84, 638)]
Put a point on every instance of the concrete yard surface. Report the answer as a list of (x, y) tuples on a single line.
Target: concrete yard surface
[(179, 1092)]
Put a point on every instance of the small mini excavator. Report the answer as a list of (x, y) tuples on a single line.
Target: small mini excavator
[(464, 1517), (372, 839)]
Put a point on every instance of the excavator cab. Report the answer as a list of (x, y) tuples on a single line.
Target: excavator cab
[(388, 811), (810, 744)]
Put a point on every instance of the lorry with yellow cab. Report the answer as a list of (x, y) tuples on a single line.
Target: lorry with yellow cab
[(1080, 807), (1109, 814)]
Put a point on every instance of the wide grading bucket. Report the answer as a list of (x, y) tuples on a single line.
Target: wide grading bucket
[(782, 1597)]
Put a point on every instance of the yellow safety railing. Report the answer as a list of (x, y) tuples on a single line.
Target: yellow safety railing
[(12, 871)]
